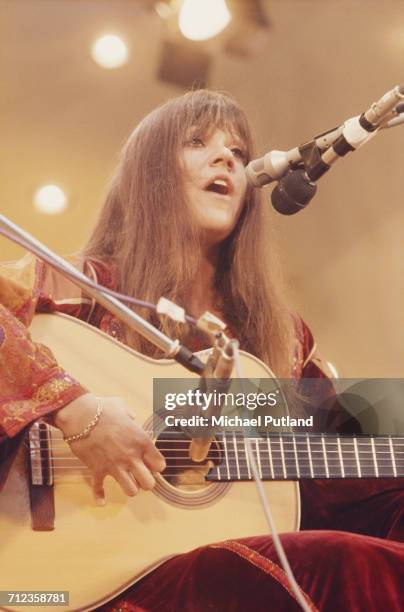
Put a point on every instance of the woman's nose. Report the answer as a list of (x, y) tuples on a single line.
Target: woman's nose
[(223, 156)]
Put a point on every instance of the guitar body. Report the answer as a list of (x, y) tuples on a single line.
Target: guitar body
[(96, 552)]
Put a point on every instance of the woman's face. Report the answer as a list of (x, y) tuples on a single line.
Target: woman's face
[(215, 182)]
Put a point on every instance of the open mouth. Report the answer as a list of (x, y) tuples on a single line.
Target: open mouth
[(219, 186)]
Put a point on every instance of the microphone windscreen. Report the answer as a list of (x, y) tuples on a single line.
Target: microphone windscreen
[(293, 192)]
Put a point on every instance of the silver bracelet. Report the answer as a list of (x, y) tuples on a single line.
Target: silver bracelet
[(88, 429)]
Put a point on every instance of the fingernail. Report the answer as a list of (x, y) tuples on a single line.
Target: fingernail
[(100, 501)]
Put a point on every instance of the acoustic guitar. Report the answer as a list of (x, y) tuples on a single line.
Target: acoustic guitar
[(55, 538)]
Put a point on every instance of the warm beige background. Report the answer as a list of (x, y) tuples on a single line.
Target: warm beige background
[(63, 120)]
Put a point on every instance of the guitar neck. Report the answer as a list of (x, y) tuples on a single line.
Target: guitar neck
[(295, 456)]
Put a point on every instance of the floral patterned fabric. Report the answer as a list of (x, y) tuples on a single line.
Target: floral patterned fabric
[(31, 383)]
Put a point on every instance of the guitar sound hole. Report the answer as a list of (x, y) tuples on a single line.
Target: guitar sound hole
[(181, 472)]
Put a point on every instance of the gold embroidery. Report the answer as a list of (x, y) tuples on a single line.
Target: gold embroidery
[(265, 564), (52, 389)]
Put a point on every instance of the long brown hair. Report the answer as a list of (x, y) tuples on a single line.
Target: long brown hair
[(147, 230)]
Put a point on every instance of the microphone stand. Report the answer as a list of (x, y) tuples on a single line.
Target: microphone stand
[(172, 348)]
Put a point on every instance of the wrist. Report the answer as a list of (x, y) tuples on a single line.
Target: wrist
[(74, 416), (85, 432)]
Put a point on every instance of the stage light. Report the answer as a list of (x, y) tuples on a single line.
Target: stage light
[(109, 51), (50, 199), (203, 19)]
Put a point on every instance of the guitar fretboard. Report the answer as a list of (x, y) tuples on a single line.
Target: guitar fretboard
[(295, 456)]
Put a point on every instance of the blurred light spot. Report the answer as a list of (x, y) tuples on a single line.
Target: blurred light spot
[(202, 19), (163, 10), (50, 199), (109, 51)]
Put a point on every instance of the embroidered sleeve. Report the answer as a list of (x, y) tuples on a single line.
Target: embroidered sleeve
[(31, 382)]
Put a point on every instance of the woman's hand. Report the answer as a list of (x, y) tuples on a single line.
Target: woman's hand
[(115, 446)]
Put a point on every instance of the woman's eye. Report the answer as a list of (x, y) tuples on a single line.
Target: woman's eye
[(237, 152), (196, 142)]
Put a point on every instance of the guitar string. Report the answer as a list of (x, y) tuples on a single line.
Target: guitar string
[(329, 437), (398, 441), (330, 446), (263, 451), (245, 475), (302, 453), (233, 464), (302, 464), (263, 448), (261, 442), (274, 453)]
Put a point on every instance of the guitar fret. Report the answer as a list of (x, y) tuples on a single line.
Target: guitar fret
[(247, 460), (374, 457), (365, 457), (264, 458), (282, 457), (295, 451), (317, 454), (258, 458), (310, 457), (236, 454), (325, 456), (393, 460), (334, 465), (340, 457), (348, 450), (232, 460), (302, 456), (277, 457), (357, 458), (271, 465), (399, 457), (290, 457), (242, 461), (383, 457), (226, 454)]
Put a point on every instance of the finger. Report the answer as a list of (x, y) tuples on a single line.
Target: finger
[(142, 475), (154, 459), (126, 481), (98, 490)]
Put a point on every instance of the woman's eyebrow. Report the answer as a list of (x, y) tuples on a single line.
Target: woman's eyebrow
[(239, 142), (236, 137), (195, 129)]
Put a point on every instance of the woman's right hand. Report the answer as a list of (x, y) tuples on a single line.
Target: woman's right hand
[(115, 446)]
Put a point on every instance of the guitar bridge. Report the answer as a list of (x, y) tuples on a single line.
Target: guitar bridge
[(41, 478), (40, 457)]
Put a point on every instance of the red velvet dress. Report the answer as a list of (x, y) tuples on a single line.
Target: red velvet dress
[(349, 554)]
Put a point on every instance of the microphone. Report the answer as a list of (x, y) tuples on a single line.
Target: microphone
[(299, 168), (293, 192)]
